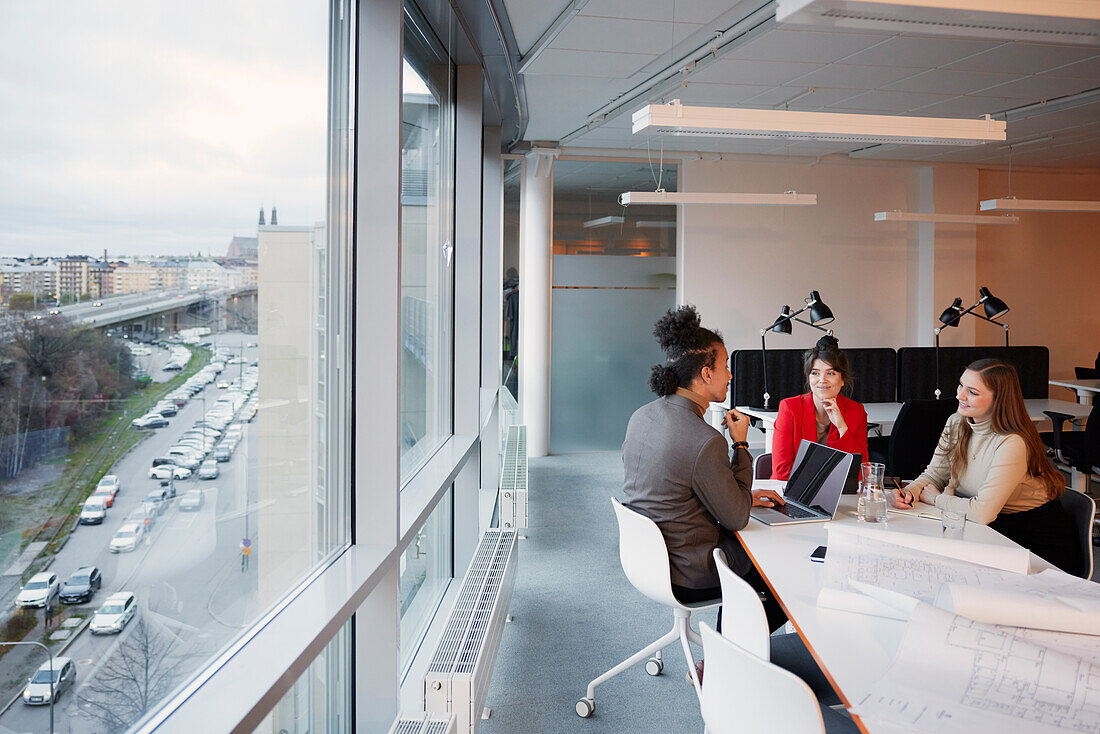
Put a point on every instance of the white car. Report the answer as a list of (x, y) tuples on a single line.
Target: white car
[(209, 469), (127, 538), (169, 471), (115, 614), (40, 589), (39, 687), (94, 510), (110, 481)]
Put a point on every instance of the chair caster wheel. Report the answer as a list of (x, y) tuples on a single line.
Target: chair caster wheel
[(585, 708), (654, 666)]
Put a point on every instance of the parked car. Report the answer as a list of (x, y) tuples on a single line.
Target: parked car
[(169, 471), (192, 500), (107, 494), (115, 614), (41, 588), (127, 538), (110, 480), (157, 500), (166, 409), (209, 469), (81, 586), (143, 516), (56, 676), (153, 420), (94, 511), (223, 452)]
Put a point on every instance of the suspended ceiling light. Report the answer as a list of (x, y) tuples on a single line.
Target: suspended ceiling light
[(676, 119), (790, 198), (896, 216), (1013, 204), (1052, 21), (603, 222)]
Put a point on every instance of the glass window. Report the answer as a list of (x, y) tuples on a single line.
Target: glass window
[(427, 236), (427, 566), (513, 180), (192, 218)]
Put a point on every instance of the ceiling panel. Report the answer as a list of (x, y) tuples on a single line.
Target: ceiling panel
[(942, 81), (1023, 58), (616, 34), (812, 46), (718, 95), (921, 52), (852, 76), (544, 95), (1039, 87), (530, 19), (1087, 69), (726, 71), (806, 100), (588, 63), (889, 102), (696, 11), (965, 106)]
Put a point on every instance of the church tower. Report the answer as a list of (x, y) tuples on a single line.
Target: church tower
[(262, 222), (274, 216)]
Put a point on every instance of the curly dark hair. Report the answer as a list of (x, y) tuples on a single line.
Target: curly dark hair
[(828, 350), (688, 349)]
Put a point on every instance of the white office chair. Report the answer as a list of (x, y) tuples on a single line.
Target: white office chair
[(644, 557), (741, 608), (744, 693)]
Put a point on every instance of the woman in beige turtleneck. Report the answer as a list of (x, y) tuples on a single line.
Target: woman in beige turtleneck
[(990, 464)]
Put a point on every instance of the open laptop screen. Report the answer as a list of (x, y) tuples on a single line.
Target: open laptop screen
[(813, 466)]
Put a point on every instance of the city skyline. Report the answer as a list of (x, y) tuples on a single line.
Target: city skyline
[(147, 131)]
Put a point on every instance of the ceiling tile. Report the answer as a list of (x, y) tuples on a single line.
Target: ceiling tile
[(1087, 69), (797, 45), (926, 53), (563, 62), (942, 81), (852, 76), (618, 35), (718, 95), (696, 11), (965, 106), (548, 116), (733, 71), (818, 98), (1035, 88), (885, 103), (1022, 58)]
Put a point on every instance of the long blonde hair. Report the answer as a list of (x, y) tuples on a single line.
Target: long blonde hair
[(1009, 416)]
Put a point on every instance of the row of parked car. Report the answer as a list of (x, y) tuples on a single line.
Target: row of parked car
[(173, 401)]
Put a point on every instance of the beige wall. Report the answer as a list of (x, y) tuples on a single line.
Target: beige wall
[(1046, 268)]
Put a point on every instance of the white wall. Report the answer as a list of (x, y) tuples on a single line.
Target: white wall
[(740, 264)]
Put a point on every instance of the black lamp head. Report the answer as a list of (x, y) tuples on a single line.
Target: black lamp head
[(994, 306), (819, 312), (950, 315), (782, 324)]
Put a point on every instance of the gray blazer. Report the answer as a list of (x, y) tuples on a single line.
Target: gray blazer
[(678, 473)]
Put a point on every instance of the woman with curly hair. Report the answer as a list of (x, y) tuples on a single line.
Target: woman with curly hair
[(822, 415), (990, 464)]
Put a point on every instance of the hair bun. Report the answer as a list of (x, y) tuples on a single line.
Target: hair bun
[(679, 328), (828, 343)]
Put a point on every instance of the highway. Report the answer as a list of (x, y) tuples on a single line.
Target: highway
[(187, 574)]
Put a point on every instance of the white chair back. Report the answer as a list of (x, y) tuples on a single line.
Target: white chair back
[(743, 694), (743, 619), (644, 555)]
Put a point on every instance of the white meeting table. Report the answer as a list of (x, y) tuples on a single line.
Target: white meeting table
[(1083, 388), (886, 413), (854, 650)]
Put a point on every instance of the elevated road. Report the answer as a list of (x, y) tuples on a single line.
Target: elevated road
[(123, 309)]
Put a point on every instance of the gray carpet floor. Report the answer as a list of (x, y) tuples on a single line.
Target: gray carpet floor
[(576, 616)]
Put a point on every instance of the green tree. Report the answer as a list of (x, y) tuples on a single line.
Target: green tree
[(23, 302)]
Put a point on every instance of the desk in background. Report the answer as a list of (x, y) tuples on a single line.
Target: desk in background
[(1085, 389), (854, 650)]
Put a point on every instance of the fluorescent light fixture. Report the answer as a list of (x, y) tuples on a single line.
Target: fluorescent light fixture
[(1038, 205), (1051, 21), (790, 198), (677, 119), (659, 225), (896, 216), (603, 222)]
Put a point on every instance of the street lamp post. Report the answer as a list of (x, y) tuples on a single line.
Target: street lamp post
[(52, 671)]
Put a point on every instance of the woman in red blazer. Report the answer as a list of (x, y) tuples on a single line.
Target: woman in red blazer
[(823, 414)]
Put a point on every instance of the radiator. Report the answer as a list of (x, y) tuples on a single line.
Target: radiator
[(513, 480), (458, 675), (421, 723)]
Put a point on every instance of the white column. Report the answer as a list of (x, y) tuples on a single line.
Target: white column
[(534, 300), (922, 268)]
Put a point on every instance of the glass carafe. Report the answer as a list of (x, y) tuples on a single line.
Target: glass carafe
[(871, 506)]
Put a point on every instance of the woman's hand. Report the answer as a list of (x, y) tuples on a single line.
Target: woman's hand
[(766, 498), (902, 499), (738, 425), (832, 410)]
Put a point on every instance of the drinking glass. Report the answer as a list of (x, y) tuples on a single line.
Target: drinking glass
[(953, 523)]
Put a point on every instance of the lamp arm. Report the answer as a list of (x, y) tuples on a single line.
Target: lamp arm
[(788, 317), (819, 328)]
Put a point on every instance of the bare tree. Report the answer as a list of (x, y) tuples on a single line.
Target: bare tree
[(146, 665)]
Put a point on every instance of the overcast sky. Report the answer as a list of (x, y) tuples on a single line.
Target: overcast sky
[(158, 127)]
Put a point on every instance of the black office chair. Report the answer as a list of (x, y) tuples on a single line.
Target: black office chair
[(1086, 373), (1078, 450), (912, 441), (1082, 512), (762, 466)]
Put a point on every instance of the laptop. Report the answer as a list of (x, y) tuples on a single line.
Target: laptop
[(820, 475)]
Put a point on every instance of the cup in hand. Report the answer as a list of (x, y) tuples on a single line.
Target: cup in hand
[(953, 523)]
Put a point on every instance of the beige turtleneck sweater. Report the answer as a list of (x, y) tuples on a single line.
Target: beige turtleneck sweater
[(995, 480)]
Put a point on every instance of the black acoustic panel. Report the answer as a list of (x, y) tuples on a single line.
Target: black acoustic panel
[(874, 375), (917, 377)]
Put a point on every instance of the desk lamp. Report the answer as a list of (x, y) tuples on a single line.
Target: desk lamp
[(819, 314), (994, 308)]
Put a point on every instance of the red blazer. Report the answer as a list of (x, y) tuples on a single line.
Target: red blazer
[(797, 421)]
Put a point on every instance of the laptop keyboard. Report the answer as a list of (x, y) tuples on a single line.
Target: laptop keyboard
[(793, 510)]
